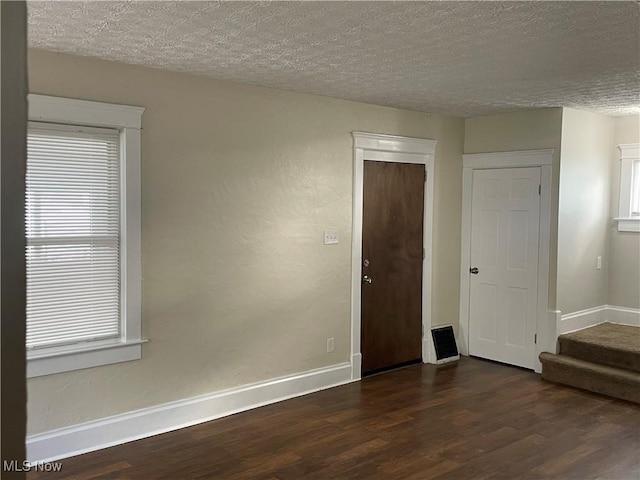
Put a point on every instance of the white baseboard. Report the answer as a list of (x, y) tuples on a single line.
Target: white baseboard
[(593, 316), (581, 319), (624, 315), (87, 437)]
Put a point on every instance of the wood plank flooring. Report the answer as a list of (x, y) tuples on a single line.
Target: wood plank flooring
[(471, 420)]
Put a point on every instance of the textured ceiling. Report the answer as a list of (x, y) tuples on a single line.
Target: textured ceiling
[(456, 58)]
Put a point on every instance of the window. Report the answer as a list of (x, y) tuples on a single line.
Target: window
[(629, 206), (635, 189), (83, 234)]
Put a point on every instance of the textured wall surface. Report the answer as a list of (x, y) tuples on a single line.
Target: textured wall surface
[(237, 184), (530, 130), (456, 58), (585, 179), (624, 247)]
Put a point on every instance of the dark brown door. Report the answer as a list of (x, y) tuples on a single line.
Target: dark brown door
[(392, 256)]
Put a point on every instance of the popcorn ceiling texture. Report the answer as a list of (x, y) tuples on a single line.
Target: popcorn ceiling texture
[(455, 58)]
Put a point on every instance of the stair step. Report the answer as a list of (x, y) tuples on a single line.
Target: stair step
[(604, 379), (609, 344)]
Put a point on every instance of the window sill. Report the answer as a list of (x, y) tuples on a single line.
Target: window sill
[(66, 359), (628, 224)]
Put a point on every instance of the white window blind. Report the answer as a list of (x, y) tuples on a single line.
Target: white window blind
[(635, 189), (73, 234)]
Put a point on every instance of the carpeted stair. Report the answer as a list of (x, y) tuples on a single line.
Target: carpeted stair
[(604, 359)]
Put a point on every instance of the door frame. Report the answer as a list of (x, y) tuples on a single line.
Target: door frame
[(545, 317), (390, 148)]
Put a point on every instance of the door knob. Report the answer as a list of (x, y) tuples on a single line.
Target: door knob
[(367, 279), (474, 270)]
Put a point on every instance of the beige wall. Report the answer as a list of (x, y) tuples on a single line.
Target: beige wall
[(624, 247), (13, 72), (529, 130), (585, 178), (586, 191), (237, 184)]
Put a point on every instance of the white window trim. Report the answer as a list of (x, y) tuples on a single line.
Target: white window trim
[(628, 154), (128, 120)]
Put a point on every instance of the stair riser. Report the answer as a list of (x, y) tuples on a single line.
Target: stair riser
[(598, 354), (591, 381)]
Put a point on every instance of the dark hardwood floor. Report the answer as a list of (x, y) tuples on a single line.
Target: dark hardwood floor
[(471, 420)]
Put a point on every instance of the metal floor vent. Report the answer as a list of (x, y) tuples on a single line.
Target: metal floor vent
[(444, 341)]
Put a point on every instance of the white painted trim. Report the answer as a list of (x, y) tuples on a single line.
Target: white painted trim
[(428, 348), (628, 224), (546, 326), (57, 360), (393, 143), (87, 437), (83, 112), (623, 315), (356, 365), (629, 153), (390, 148), (128, 121), (356, 262), (593, 316), (629, 150), (130, 235), (465, 261), (554, 318), (428, 355), (520, 158), (581, 319), (378, 156)]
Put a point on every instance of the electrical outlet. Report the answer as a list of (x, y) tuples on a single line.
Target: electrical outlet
[(330, 344), (599, 263), (331, 237)]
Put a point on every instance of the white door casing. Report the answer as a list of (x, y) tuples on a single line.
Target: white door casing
[(504, 254), (546, 318), (390, 148)]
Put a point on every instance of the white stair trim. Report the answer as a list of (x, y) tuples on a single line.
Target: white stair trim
[(593, 316), (573, 321), (623, 315)]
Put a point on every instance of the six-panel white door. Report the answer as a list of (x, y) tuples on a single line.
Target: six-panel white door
[(505, 221)]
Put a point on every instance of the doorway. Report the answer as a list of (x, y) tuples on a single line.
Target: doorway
[(388, 150), (392, 255), (505, 257)]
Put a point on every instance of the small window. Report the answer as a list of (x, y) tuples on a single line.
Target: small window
[(629, 203), (82, 234)]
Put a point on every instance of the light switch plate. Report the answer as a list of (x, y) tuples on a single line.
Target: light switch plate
[(331, 344), (331, 237)]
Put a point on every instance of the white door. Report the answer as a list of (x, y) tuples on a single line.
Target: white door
[(505, 220)]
